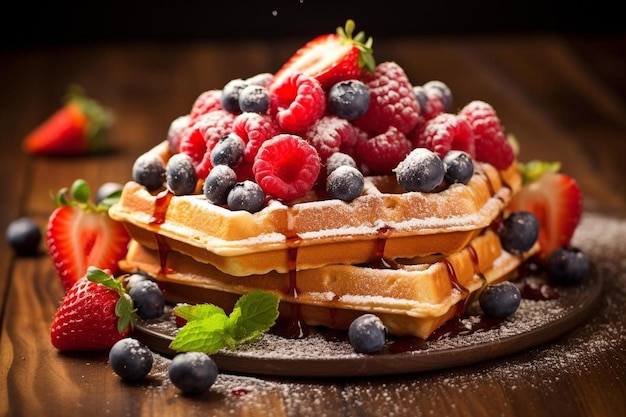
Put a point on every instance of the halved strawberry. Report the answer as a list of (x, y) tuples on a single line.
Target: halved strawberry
[(81, 234), (557, 201), (77, 128), (330, 58), (94, 314)]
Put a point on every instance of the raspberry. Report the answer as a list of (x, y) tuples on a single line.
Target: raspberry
[(254, 129), (286, 166), (392, 101), (382, 153), (489, 139), (443, 133), (206, 102), (297, 103), (328, 133), (200, 138)]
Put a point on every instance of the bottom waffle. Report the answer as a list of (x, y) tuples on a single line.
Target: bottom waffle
[(411, 298)]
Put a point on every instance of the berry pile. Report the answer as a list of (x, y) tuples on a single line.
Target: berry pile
[(272, 136)]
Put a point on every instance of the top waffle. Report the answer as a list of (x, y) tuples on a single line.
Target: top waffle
[(384, 221)]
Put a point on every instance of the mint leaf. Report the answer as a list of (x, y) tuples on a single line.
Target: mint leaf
[(209, 329), (202, 335), (259, 311)]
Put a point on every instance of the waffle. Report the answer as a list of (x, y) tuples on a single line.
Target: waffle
[(384, 221), (411, 298)]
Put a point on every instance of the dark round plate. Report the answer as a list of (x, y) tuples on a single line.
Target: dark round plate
[(534, 323)]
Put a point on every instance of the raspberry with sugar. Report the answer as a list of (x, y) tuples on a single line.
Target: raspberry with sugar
[(286, 166), (392, 101), (297, 103), (382, 153), (489, 138), (206, 102), (254, 129), (201, 136), (328, 134), (443, 133)]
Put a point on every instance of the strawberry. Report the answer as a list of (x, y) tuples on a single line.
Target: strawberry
[(330, 58), (94, 314), (77, 128), (81, 234), (556, 200)]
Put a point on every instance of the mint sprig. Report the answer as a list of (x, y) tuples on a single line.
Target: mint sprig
[(209, 328)]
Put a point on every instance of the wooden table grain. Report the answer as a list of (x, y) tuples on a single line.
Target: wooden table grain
[(564, 97)]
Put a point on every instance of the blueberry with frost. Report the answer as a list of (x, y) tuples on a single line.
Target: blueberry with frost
[(255, 99), (130, 359), (218, 183), (338, 159), (421, 170), (228, 151), (349, 99), (181, 177), (345, 183), (246, 195), (519, 232), (500, 300), (149, 171), (147, 298), (567, 265), (192, 372), (459, 167), (367, 333), (230, 95)]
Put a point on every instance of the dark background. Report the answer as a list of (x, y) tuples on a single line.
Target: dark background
[(28, 24)]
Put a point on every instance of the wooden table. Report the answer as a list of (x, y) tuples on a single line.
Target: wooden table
[(564, 97)]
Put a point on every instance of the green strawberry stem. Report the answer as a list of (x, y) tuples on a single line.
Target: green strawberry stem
[(100, 118), (366, 52), (79, 194), (124, 308)]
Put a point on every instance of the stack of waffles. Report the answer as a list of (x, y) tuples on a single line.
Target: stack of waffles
[(414, 259)]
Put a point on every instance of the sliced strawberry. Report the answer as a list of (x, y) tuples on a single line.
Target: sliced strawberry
[(330, 58), (81, 234), (94, 314), (557, 201), (77, 128)]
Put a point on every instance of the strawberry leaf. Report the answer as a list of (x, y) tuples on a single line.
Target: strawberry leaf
[(124, 308), (80, 191)]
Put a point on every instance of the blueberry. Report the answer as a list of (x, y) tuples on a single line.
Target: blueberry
[(181, 175), (422, 170), (230, 95), (228, 151), (519, 232), (134, 278), (348, 99), (130, 359), (192, 372), (218, 184), (446, 94), (345, 183), (147, 298), (459, 167), (24, 236), (108, 190), (500, 300), (149, 171), (367, 334), (420, 95), (567, 266), (338, 159), (246, 195), (254, 98)]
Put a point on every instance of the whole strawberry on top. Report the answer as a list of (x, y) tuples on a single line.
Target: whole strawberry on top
[(330, 58), (94, 314), (78, 127), (80, 234)]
